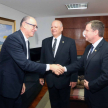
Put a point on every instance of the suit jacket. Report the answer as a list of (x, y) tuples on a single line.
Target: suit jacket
[(14, 64), (96, 72), (65, 55)]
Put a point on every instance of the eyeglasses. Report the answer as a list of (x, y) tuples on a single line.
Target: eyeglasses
[(34, 26)]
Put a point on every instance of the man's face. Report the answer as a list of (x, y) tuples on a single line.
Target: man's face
[(89, 33), (31, 25), (56, 28)]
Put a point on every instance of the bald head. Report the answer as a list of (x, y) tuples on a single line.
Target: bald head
[(59, 22), (56, 28)]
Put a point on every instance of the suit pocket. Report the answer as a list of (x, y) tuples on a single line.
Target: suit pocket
[(9, 78)]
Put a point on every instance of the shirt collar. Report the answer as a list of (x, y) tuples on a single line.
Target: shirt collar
[(97, 42), (24, 37), (58, 38)]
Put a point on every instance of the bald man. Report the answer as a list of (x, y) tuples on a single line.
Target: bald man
[(58, 49), (14, 62)]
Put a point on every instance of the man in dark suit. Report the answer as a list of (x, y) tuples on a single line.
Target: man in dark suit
[(62, 52), (14, 62), (95, 62)]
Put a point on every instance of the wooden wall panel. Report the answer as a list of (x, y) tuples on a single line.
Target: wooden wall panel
[(81, 44), (73, 33), (69, 33), (73, 22), (104, 19), (74, 27), (93, 18), (67, 23), (79, 22), (106, 33)]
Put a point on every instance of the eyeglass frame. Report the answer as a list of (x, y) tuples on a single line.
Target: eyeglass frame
[(32, 25)]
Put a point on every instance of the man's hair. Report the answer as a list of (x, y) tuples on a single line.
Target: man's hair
[(24, 19), (97, 25), (61, 24)]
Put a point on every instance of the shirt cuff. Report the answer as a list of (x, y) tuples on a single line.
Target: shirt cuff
[(47, 67), (65, 69)]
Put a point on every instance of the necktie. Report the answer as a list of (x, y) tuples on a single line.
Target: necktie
[(54, 46), (91, 49)]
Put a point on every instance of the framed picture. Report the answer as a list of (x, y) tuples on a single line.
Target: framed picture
[(7, 27)]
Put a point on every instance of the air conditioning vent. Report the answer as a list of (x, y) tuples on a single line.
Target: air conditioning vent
[(77, 6)]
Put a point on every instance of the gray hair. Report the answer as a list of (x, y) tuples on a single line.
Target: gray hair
[(61, 24), (24, 19)]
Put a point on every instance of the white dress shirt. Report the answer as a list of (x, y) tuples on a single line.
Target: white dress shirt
[(57, 44), (26, 41)]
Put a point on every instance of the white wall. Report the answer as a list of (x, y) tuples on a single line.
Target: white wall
[(44, 26), (43, 23), (7, 12)]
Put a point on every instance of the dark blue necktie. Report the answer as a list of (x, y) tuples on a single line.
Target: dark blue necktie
[(91, 49)]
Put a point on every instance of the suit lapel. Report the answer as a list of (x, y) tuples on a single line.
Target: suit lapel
[(94, 52), (23, 42), (61, 44)]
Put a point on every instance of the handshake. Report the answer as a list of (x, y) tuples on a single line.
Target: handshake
[(57, 69)]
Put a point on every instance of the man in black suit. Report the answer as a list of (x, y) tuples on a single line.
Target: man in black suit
[(14, 62), (62, 52), (95, 63)]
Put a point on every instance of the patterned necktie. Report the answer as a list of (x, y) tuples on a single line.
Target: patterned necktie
[(54, 46), (91, 49)]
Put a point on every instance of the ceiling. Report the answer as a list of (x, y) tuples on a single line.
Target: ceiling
[(44, 8)]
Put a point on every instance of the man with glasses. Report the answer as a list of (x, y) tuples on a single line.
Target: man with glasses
[(34, 26), (15, 61)]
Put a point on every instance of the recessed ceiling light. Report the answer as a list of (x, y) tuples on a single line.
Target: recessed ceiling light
[(77, 6)]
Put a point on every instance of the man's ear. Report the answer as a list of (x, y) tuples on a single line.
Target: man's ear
[(61, 29), (96, 32), (24, 25)]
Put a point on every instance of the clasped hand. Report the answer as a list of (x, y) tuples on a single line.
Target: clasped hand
[(86, 84), (57, 69)]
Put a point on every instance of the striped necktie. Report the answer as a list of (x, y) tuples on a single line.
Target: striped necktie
[(54, 46)]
